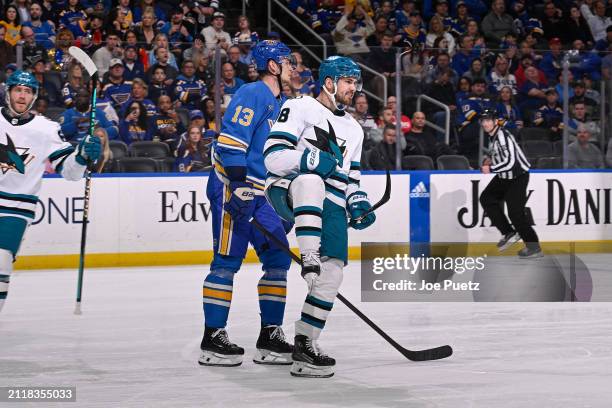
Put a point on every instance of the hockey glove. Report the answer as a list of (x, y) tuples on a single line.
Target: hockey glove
[(89, 150), (318, 162), (241, 203), (358, 204)]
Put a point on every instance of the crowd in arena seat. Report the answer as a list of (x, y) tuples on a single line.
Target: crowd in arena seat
[(156, 61)]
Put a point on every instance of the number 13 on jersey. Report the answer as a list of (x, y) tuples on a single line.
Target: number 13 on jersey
[(243, 116)]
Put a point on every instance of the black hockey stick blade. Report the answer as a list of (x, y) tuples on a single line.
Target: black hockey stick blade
[(412, 355), (383, 200)]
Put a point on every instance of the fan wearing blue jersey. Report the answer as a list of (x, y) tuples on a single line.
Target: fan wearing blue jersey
[(235, 191)]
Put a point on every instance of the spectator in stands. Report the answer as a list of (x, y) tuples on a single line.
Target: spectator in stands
[(402, 16), (305, 9), (464, 87), (580, 118), (133, 68), (106, 105), (253, 75), (553, 22), (215, 36), (590, 63), (167, 125), (208, 115), (580, 96), (526, 62), (349, 35), (162, 57), (382, 60), (421, 141), (103, 56), (12, 23), (532, 94), (412, 35), (146, 31), (509, 115), (576, 27), (405, 120), (159, 86), (134, 125), (381, 25), (603, 45), (75, 120), (75, 82), (551, 63), (7, 51), (467, 53), (385, 117), (598, 21), (32, 52), (477, 71), (233, 57), (193, 154), (244, 27), (437, 30), (161, 41), (244, 46), (550, 115), (125, 11), (177, 32), (44, 32), (582, 154), (367, 122), (41, 106), (606, 64), (189, 90), (472, 30), (203, 69), (469, 128), (139, 94), (114, 86), (501, 77), (382, 156), (197, 47), (443, 64), (143, 8), (497, 23), (441, 11), (589, 90), (48, 89), (325, 18), (443, 91), (231, 84)]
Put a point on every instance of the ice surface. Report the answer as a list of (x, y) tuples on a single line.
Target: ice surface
[(136, 345)]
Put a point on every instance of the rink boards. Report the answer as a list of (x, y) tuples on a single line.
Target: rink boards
[(154, 219)]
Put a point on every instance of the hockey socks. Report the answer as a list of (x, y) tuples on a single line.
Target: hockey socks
[(217, 297), (272, 290)]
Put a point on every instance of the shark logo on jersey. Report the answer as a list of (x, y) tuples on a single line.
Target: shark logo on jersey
[(13, 158), (325, 139)]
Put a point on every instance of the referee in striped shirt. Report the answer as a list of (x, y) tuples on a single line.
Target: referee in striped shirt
[(507, 161)]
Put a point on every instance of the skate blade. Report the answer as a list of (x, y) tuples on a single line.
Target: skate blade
[(508, 244), (302, 369), (208, 358), (268, 357)]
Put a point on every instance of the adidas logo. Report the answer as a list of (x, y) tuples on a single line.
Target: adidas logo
[(419, 191)]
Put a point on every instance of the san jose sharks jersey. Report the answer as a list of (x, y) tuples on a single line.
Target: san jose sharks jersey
[(244, 130), (304, 123), (25, 146)]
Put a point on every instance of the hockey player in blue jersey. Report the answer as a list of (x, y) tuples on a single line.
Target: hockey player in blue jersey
[(235, 190)]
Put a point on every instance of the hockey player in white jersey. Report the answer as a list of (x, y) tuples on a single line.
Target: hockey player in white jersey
[(312, 157), (26, 142)]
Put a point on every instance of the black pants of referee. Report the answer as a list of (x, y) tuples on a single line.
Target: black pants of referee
[(513, 192)]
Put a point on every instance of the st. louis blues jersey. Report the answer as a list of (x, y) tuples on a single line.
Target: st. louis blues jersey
[(304, 123), (25, 146), (244, 130)]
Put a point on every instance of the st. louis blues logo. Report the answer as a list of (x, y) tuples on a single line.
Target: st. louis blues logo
[(13, 158)]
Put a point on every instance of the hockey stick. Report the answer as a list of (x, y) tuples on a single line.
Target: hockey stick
[(92, 70), (436, 353), (386, 196)]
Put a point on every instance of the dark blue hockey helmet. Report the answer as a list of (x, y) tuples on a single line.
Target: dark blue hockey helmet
[(267, 50)]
